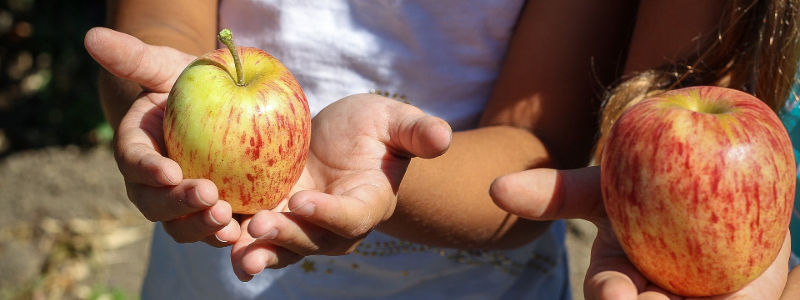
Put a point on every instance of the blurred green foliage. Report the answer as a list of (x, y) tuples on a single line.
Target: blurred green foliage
[(48, 93)]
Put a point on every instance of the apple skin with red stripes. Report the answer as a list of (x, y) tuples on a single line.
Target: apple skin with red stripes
[(251, 140), (699, 184)]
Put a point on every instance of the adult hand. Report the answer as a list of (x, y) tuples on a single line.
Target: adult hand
[(188, 208), (545, 194), (360, 148)]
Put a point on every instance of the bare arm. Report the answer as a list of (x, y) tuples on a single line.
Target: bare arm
[(165, 23), (541, 114), (670, 30)]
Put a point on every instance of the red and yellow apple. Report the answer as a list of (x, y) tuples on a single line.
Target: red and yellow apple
[(698, 184), (239, 118)]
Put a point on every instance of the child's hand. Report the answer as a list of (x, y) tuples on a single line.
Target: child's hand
[(544, 194), (188, 208), (360, 149)]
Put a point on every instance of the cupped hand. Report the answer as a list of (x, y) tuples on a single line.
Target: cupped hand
[(360, 148), (188, 208), (546, 194)]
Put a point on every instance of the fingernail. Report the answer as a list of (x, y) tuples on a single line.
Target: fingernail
[(270, 235), (306, 209), (197, 194), (167, 178), (259, 272), (211, 216), (219, 239)]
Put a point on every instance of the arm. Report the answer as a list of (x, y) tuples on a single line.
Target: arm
[(165, 23), (668, 31), (541, 114), (546, 194)]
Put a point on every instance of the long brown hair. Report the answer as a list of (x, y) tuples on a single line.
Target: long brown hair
[(756, 50)]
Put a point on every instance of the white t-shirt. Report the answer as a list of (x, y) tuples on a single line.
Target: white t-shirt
[(442, 56)]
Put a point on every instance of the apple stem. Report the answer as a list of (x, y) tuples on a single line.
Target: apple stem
[(226, 37)]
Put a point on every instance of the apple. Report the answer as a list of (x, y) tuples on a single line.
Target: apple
[(698, 184), (239, 118)]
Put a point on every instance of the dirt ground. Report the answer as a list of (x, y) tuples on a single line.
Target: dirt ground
[(67, 230)]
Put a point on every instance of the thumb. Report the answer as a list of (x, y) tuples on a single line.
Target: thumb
[(548, 194), (416, 134), (155, 68)]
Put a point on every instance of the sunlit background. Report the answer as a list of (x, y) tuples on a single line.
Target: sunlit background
[(48, 94), (67, 230)]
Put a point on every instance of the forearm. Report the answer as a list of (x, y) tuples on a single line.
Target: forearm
[(540, 114), (445, 201), (165, 23), (187, 25), (669, 31)]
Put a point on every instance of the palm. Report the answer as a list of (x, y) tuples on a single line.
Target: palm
[(346, 156), (360, 148), (339, 166)]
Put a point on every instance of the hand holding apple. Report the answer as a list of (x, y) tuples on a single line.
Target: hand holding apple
[(699, 185), (188, 208), (547, 194), (239, 118), (347, 187)]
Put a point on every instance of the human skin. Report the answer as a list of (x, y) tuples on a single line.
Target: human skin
[(473, 221), (792, 289), (536, 110), (358, 155), (576, 194)]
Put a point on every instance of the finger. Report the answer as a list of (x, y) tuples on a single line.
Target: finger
[(226, 236), (609, 285), (289, 231), (138, 148), (155, 68), (249, 257), (413, 133), (547, 194), (792, 289), (262, 255), (198, 226), (658, 294), (610, 272), (168, 203), (237, 252), (350, 215)]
